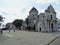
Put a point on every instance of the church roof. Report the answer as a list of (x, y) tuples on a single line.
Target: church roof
[(50, 9), (33, 9)]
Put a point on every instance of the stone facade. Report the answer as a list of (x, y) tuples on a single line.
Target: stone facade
[(24, 25), (46, 21), (33, 18)]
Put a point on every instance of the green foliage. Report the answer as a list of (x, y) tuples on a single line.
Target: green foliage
[(1, 18), (18, 23)]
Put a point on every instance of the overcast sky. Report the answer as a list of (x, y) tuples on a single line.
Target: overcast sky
[(19, 9)]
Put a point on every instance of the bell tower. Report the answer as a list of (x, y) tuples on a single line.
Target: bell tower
[(51, 20), (33, 14)]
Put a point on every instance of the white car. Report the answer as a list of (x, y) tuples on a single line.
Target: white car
[(2, 26)]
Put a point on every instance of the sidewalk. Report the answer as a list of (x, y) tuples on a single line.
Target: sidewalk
[(29, 38)]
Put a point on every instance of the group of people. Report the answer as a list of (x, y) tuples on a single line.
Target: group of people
[(1, 31)]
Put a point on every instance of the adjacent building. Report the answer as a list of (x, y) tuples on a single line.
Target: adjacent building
[(47, 20)]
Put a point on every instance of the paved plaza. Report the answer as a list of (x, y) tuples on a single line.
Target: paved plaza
[(26, 38)]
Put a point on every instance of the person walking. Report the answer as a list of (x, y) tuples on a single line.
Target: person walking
[(1, 32), (9, 30)]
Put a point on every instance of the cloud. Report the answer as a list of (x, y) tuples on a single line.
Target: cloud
[(47, 1), (12, 9), (19, 9), (14, 3), (12, 14)]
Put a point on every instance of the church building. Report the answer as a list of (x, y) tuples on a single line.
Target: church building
[(46, 21)]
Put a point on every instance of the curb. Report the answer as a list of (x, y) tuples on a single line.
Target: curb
[(53, 39)]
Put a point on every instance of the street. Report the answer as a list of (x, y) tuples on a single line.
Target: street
[(56, 42), (26, 38)]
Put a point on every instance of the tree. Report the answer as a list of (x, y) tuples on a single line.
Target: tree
[(27, 21), (17, 23), (1, 18)]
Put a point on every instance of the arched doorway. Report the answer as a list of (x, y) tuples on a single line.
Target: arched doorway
[(40, 29), (34, 27), (52, 26), (29, 27)]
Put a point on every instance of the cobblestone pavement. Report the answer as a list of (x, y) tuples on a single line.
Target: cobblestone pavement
[(26, 38)]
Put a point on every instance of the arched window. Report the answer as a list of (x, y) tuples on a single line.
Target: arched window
[(51, 25), (51, 17)]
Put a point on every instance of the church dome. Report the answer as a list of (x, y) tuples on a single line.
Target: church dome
[(50, 9)]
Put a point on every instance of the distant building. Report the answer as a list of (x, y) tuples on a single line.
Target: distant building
[(46, 21), (10, 26)]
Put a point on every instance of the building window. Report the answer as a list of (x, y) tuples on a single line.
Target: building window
[(51, 17)]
